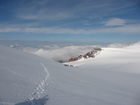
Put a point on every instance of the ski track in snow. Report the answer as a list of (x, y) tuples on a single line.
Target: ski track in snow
[(41, 89)]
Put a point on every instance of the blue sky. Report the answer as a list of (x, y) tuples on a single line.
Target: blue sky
[(70, 20)]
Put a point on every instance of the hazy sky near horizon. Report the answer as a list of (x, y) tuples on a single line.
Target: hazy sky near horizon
[(70, 20)]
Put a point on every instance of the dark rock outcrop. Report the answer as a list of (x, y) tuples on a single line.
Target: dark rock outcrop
[(90, 54)]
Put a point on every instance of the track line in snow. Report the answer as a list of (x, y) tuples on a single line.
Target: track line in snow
[(41, 89), (45, 69)]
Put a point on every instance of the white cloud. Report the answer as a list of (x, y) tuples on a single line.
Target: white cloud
[(115, 22), (63, 53), (43, 16), (126, 29)]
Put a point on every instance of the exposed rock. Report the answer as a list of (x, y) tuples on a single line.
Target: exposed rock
[(68, 65), (90, 54)]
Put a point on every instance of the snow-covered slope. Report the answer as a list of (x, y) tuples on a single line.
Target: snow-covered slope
[(113, 56), (20, 75), (112, 78)]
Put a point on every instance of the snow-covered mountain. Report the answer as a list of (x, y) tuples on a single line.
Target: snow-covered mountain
[(111, 78)]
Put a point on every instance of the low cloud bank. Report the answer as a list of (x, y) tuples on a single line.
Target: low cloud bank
[(62, 54)]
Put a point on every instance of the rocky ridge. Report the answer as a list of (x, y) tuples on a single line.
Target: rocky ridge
[(90, 54)]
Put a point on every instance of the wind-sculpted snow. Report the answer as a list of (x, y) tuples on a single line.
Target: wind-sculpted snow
[(111, 78), (20, 73)]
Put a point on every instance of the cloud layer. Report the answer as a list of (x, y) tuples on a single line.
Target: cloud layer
[(115, 22), (69, 18), (126, 29), (62, 54)]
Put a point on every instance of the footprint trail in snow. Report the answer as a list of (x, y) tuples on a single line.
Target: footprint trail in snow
[(41, 89)]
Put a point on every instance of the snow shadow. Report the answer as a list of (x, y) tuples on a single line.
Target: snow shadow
[(41, 101)]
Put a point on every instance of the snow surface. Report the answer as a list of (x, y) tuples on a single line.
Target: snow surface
[(20, 73), (111, 78)]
